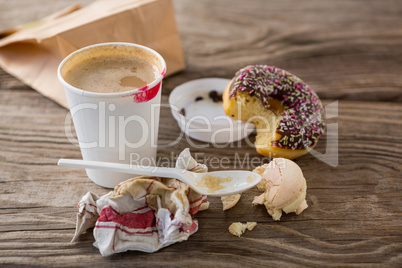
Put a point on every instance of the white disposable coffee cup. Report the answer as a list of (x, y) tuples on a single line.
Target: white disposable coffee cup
[(115, 127)]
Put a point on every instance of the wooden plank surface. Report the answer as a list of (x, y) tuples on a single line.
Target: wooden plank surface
[(348, 51)]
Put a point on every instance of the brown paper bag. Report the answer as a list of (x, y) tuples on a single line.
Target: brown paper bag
[(33, 54)]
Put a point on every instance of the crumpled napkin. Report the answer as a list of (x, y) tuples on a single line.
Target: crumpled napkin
[(143, 213)]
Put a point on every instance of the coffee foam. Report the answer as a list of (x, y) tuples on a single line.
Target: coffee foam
[(143, 57)]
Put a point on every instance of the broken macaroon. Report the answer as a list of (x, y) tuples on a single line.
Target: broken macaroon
[(284, 188)]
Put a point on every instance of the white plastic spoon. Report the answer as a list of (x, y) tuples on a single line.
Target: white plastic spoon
[(217, 183)]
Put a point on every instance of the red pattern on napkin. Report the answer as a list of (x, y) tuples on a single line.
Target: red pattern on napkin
[(143, 213)]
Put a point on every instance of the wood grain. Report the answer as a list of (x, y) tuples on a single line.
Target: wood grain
[(343, 50), (349, 51)]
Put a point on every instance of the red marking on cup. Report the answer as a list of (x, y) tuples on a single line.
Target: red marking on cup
[(147, 94), (143, 88)]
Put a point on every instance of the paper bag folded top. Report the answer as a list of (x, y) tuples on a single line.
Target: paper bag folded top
[(33, 54)]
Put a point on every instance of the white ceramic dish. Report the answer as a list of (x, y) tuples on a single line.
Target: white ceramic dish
[(205, 120)]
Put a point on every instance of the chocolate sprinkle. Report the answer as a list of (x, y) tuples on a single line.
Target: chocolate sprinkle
[(183, 111), (215, 96), (199, 98), (303, 120)]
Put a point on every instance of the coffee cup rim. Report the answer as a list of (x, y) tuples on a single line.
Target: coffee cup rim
[(111, 94)]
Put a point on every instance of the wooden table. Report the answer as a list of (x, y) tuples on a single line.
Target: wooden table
[(348, 51)]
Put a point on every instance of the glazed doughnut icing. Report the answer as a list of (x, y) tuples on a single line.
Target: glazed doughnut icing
[(288, 114)]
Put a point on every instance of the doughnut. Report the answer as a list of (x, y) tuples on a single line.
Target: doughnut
[(288, 115)]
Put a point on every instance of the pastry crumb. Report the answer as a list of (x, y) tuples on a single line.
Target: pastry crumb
[(204, 206), (238, 228), (230, 201), (250, 225)]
